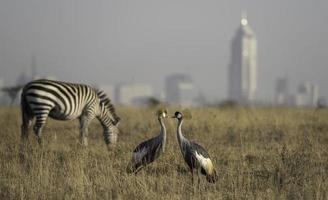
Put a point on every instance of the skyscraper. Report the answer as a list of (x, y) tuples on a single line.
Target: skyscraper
[(243, 65)]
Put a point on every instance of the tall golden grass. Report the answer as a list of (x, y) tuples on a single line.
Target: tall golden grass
[(261, 153)]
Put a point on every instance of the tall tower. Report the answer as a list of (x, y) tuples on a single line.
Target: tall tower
[(243, 65)]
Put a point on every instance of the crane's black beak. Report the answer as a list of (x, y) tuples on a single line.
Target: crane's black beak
[(173, 116)]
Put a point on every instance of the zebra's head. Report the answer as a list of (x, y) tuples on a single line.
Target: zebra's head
[(109, 119), (110, 125)]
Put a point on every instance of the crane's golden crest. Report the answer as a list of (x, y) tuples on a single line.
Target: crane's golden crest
[(162, 112)]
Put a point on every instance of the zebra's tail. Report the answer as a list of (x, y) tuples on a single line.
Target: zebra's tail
[(26, 114)]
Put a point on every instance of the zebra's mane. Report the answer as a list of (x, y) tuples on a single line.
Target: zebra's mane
[(104, 99)]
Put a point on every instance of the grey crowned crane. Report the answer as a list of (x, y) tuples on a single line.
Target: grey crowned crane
[(149, 150), (195, 155)]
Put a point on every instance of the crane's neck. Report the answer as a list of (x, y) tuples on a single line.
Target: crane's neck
[(181, 138), (162, 131)]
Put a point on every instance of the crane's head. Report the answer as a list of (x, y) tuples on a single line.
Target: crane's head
[(177, 115), (186, 115), (162, 113)]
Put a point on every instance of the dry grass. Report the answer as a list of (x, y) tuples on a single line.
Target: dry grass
[(258, 153)]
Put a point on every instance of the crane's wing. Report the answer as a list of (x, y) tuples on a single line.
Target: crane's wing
[(203, 158), (201, 150), (147, 151)]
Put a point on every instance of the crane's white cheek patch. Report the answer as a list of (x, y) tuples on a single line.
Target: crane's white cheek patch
[(137, 156), (205, 163)]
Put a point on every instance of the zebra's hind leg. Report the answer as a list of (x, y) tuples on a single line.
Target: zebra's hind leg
[(25, 129), (38, 132), (26, 124), (39, 124)]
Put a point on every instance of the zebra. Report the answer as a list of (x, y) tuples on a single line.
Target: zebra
[(59, 100)]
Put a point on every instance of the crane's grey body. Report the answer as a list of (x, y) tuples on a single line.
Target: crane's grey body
[(194, 154), (149, 150)]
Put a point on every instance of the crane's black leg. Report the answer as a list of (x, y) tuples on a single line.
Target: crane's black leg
[(198, 177), (192, 182), (138, 169)]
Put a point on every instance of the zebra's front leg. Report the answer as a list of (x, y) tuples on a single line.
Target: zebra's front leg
[(84, 123)]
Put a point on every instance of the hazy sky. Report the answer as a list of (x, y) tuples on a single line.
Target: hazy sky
[(142, 41)]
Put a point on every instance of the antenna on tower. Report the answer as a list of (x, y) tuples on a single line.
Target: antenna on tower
[(243, 20)]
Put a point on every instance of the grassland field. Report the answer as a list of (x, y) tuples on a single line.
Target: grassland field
[(259, 153)]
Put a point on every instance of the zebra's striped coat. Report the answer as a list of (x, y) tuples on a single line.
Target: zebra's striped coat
[(66, 101)]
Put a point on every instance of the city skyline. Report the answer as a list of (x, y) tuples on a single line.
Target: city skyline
[(113, 42)]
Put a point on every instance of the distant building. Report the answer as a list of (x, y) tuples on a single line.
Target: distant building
[(314, 95), (179, 89), (322, 103), (134, 94), (243, 65), (308, 94), (282, 91)]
